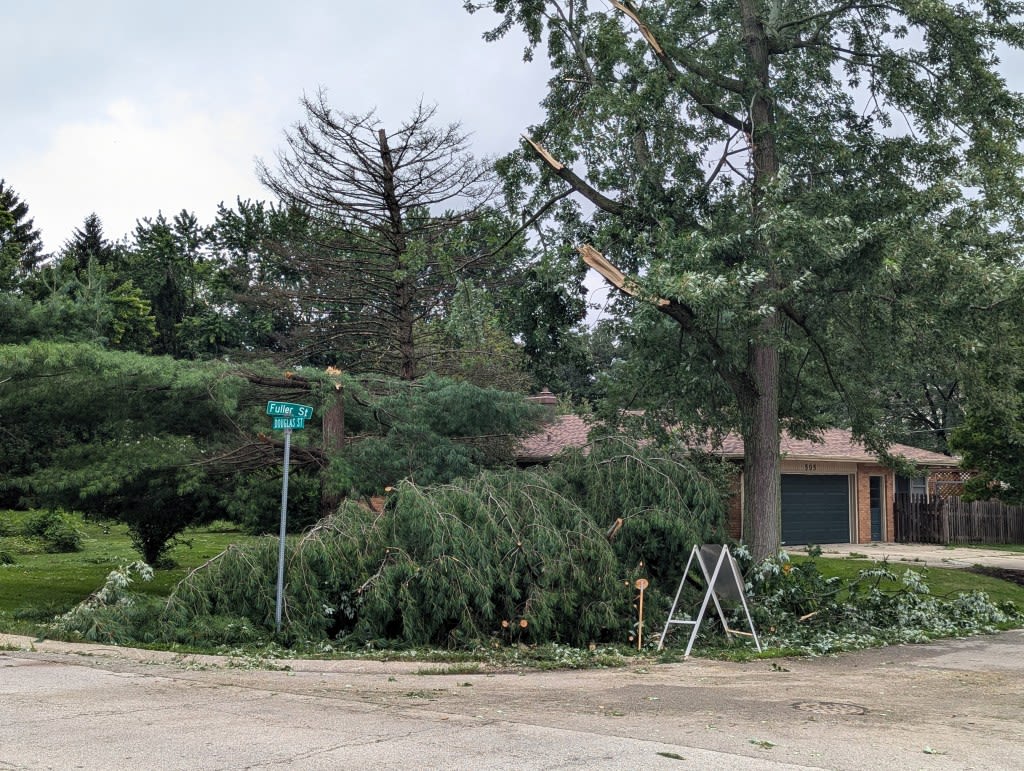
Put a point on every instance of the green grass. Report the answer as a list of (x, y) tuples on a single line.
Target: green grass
[(1015, 548), (38, 585), (941, 581)]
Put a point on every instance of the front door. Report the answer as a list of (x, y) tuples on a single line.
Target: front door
[(875, 503)]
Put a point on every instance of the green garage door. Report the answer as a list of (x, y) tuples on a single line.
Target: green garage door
[(815, 509)]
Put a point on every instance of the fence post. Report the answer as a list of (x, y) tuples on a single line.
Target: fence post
[(944, 520)]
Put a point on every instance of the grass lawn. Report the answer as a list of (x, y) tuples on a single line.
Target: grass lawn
[(941, 581), (38, 585), (1015, 548)]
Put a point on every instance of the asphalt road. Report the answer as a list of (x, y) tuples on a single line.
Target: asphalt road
[(956, 704)]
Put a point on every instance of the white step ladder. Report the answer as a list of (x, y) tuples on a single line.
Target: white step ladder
[(723, 580)]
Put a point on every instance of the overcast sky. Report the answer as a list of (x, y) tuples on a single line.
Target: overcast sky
[(129, 107)]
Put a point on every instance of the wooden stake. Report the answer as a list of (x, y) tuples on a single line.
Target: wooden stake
[(641, 584)]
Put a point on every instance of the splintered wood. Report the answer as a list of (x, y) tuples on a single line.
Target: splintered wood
[(543, 153), (611, 274)]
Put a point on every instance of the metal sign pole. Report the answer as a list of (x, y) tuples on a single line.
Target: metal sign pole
[(284, 520)]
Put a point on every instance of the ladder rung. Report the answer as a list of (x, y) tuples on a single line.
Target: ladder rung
[(674, 621)]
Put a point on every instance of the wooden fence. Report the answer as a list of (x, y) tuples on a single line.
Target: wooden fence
[(952, 521)]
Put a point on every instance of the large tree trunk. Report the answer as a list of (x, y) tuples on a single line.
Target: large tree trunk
[(333, 424), (761, 487)]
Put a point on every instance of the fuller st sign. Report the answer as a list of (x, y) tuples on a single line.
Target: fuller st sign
[(289, 410), (289, 416)]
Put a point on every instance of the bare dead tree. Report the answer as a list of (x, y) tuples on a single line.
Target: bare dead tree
[(397, 222)]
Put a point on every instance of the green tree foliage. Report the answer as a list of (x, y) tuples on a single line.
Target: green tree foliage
[(369, 433), (458, 564), (161, 443), (21, 247), (113, 434), (80, 296), (991, 438), (431, 431), (471, 342), (245, 309), (991, 443), (784, 188), (87, 246), (166, 261), (546, 311), (82, 309)]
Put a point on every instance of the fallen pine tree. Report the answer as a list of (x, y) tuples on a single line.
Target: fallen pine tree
[(516, 555)]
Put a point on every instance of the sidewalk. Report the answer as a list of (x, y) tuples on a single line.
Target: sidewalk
[(923, 554)]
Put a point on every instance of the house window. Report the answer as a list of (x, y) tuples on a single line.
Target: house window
[(913, 486)]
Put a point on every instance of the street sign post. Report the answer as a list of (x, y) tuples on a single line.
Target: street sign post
[(287, 417)]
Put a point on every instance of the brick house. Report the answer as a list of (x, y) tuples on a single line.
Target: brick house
[(833, 490)]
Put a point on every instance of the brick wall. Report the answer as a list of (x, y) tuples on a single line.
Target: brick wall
[(863, 510), (734, 518)]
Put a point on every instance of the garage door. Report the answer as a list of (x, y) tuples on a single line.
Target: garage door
[(815, 509)]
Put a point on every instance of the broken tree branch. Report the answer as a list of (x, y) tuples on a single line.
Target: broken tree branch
[(682, 313), (560, 170), (613, 275)]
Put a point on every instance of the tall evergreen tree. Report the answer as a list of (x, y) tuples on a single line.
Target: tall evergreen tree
[(248, 247), (21, 246), (167, 261), (87, 245), (774, 183)]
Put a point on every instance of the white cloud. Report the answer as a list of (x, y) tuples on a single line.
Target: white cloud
[(136, 159)]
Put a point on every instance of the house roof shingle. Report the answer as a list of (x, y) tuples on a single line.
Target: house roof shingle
[(562, 433), (834, 444)]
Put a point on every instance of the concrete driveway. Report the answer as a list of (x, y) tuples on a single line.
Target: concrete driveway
[(951, 705), (923, 554)]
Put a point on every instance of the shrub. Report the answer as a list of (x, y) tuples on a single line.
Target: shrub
[(798, 608), (57, 529)]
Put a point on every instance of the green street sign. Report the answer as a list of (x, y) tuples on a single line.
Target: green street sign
[(280, 423), (289, 410)]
